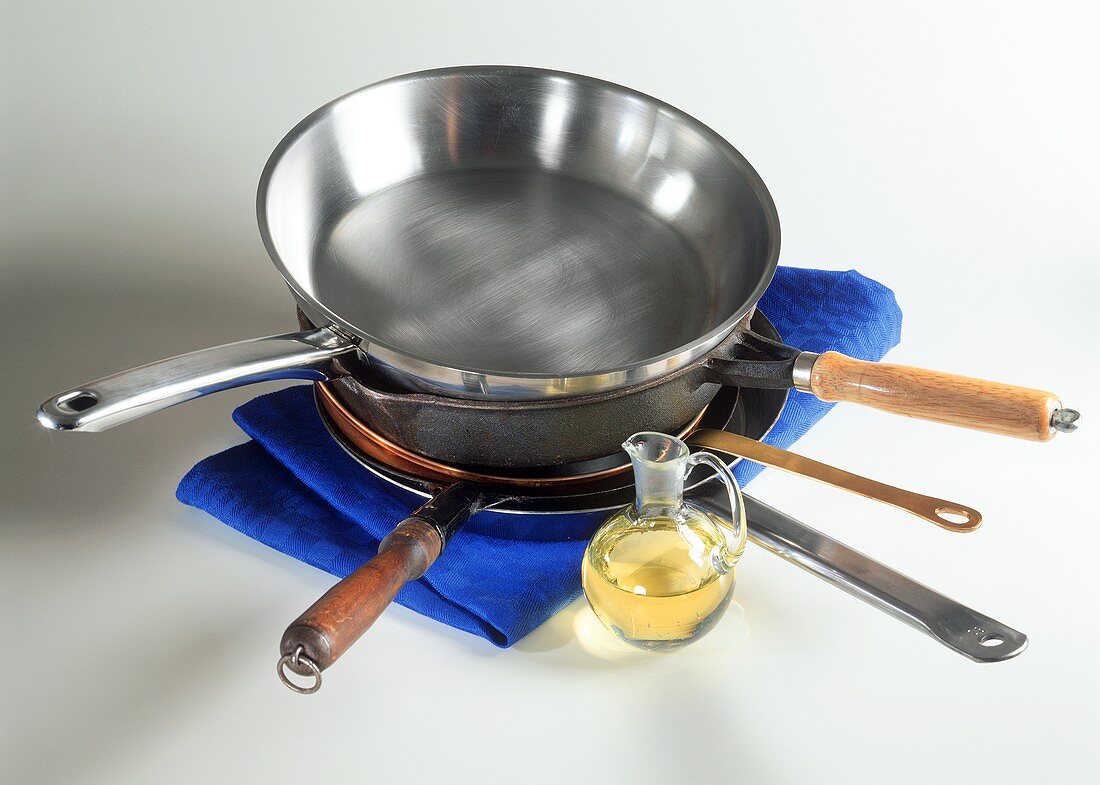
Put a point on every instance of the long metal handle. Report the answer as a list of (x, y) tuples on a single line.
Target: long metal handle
[(125, 396), (945, 514), (956, 626)]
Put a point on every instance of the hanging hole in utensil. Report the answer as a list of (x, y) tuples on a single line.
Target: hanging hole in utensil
[(79, 401), (991, 640), (951, 515)]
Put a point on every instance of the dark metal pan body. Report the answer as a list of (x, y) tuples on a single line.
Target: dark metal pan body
[(556, 431), (532, 512)]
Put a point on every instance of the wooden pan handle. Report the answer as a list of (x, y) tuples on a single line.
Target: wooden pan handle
[(940, 397), (332, 624), (328, 628)]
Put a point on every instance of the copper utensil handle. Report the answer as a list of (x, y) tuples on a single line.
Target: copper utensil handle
[(945, 514), (941, 397), (328, 628)]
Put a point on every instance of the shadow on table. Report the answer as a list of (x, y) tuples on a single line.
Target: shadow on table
[(63, 328), (577, 639)]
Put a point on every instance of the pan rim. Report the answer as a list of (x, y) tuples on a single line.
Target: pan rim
[(512, 384), (775, 400)]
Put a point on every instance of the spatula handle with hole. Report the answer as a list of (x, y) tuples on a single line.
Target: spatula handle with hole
[(941, 512), (959, 628)]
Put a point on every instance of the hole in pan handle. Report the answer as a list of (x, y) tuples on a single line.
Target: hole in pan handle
[(958, 627), (113, 400)]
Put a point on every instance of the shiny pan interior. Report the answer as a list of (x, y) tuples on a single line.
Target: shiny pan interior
[(518, 225)]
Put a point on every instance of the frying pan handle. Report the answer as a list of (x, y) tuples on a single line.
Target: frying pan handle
[(125, 396), (934, 395), (960, 628), (328, 628)]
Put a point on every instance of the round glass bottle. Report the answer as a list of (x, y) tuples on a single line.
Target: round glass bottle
[(660, 573)]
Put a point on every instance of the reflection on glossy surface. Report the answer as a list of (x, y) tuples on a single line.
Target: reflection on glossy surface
[(655, 585), (513, 222), (599, 643), (660, 573), (475, 281)]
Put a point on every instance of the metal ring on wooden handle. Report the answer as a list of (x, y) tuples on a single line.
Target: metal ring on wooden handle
[(941, 512), (328, 628), (933, 395)]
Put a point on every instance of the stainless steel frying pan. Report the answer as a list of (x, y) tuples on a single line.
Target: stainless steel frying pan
[(512, 234)]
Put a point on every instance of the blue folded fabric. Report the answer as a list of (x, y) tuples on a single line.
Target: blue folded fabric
[(294, 489)]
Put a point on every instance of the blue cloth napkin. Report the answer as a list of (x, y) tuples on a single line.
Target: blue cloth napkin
[(294, 489)]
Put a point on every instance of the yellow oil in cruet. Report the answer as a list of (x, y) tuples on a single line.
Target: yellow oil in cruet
[(660, 573)]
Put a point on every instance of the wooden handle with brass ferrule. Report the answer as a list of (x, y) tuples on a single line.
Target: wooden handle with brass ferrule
[(948, 515), (933, 395)]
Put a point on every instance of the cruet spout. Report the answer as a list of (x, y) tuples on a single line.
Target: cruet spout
[(660, 465)]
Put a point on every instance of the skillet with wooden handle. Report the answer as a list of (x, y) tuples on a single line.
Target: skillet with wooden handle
[(509, 266)]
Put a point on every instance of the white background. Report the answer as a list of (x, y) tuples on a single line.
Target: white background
[(947, 149)]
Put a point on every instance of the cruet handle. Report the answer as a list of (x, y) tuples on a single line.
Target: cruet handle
[(737, 507)]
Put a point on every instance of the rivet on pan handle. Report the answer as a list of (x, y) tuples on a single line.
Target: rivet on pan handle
[(945, 514)]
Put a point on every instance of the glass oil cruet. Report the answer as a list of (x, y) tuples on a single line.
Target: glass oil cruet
[(660, 573)]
